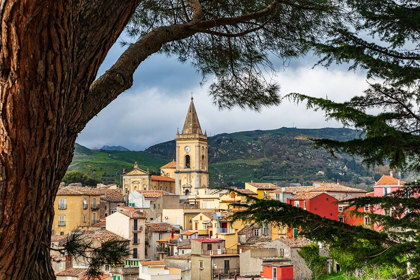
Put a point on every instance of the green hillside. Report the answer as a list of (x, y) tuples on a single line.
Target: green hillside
[(280, 156), (107, 166)]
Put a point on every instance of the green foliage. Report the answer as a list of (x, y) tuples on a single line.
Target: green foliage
[(79, 177), (234, 41), (80, 246), (315, 262)]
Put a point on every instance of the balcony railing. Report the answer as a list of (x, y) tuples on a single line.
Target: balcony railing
[(230, 272), (61, 224), (62, 206), (219, 252), (94, 207), (223, 230)]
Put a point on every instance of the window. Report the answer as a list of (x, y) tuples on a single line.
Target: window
[(135, 226), (256, 232), (187, 161), (226, 264), (296, 203), (340, 208), (154, 206), (107, 267), (265, 194), (113, 211), (387, 191), (94, 202), (282, 252), (62, 220), (135, 238), (209, 246), (367, 221), (94, 218), (84, 218), (304, 205), (387, 212), (158, 206), (341, 219), (201, 264), (62, 204), (135, 253), (265, 231), (274, 272), (84, 203), (367, 208)]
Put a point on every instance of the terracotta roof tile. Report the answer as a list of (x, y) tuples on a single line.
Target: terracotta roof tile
[(162, 178), (189, 232), (208, 240), (387, 180), (111, 195), (171, 164), (264, 186), (147, 263), (162, 227), (244, 191), (332, 187), (101, 235), (133, 214), (78, 191), (185, 246), (153, 193), (77, 272), (306, 195), (166, 239)]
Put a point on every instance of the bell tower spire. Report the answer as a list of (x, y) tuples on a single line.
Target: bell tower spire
[(191, 155)]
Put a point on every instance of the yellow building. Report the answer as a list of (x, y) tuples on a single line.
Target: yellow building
[(202, 223), (191, 171), (223, 227), (141, 180), (236, 196), (168, 170), (262, 190), (74, 207)]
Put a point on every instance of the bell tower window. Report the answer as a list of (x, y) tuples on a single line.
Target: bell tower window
[(187, 161)]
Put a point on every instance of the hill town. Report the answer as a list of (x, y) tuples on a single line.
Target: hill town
[(177, 225)]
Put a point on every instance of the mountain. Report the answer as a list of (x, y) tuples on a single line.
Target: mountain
[(279, 156), (115, 148)]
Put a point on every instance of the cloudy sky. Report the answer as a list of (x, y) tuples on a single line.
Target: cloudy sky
[(152, 110)]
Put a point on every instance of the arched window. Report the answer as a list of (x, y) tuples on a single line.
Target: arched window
[(187, 192), (187, 161), (202, 162)]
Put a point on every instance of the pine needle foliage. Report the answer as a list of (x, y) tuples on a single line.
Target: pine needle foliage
[(235, 41)]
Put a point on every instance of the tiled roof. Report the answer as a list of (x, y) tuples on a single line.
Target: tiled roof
[(147, 263), (264, 186), (77, 272), (78, 191), (162, 227), (185, 246), (332, 187), (297, 189), (295, 242), (209, 240), (166, 239), (153, 193), (244, 191), (306, 195), (171, 164), (245, 230), (126, 208), (111, 195), (134, 214), (387, 180), (207, 214), (101, 235), (61, 239), (100, 224), (162, 178)]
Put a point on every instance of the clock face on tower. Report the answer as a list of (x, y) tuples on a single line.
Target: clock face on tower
[(187, 149)]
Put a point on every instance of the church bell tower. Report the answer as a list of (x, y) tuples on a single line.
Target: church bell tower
[(191, 156)]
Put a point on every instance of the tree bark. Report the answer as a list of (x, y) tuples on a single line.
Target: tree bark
[(50, 53)]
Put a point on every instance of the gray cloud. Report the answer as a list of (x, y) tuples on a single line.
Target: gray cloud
[(152, 110)]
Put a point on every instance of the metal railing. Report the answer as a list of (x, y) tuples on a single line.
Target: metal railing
[(62, 206), (160, 250), (138, 228), (94, 207), (61, 224)]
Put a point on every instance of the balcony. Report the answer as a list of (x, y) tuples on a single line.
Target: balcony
[(94, 207), (95, 222), (219, 252), (61, 224), (226, 272), (138, 228), (62, 207)]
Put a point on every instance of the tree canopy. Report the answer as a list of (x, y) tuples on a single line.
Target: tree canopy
[(382, 38)]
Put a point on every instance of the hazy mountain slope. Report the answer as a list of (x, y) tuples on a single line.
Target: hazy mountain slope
[(279, 156)]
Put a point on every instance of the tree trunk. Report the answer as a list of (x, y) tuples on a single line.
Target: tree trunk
[(50, 53)]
